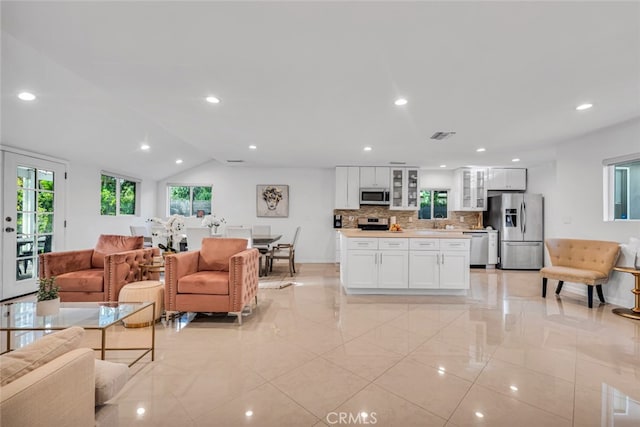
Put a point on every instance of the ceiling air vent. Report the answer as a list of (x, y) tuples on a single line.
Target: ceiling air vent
[(439, 136), (235, 161)]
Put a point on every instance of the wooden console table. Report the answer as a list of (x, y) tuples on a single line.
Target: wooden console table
[(632, 313)]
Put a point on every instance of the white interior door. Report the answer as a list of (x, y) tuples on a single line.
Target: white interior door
[(33, 216)]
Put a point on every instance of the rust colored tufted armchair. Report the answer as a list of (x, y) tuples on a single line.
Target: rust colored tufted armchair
[(221, 277), (581, 261), (96, 274)]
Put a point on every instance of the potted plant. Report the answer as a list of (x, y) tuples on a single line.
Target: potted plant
[(48, 297)]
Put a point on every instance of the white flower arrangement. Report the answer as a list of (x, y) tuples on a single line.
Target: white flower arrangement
[(173, 227), (212, 221)]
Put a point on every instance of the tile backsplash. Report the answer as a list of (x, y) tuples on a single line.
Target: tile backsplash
[(409, 219)]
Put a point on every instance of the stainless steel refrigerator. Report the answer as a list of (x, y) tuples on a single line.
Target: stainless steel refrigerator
[(518, 219)]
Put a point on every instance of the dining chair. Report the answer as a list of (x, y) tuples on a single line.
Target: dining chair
[(285, 251), (195, 236), (262, 230), (242, 233), (142, 230)]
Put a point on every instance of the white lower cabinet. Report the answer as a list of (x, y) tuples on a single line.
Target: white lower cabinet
[(377, 263), (439, 264)]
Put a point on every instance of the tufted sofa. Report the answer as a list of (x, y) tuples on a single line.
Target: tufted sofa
[(581, 261), (97, 274), (221, 277)]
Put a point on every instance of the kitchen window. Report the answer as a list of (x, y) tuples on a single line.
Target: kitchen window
[(622, 188), (433, 204), (118, 195), (189, 200)]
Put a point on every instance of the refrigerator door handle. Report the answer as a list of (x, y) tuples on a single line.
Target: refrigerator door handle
[(524, 219)]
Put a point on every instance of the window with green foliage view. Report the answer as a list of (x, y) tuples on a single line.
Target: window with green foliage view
[(189, 200), (433, 204), (118, 196)]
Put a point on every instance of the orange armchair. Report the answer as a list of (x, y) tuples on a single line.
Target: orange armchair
[(221, 277), (96, 274)]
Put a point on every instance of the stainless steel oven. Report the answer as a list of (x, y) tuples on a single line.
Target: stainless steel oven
[(374, 196)]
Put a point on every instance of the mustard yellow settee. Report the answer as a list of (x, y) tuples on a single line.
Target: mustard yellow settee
[(580, 261)]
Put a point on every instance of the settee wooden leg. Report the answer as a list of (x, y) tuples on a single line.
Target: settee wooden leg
[(590, 296), (600, 294), (544, 287), (559, 287)]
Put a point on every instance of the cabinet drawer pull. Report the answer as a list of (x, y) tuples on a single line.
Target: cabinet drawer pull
[(455, 244)]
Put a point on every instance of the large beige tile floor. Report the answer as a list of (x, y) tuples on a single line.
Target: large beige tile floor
[(309, 355)]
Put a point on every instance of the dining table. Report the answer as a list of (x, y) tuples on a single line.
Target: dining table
[(263, 243)]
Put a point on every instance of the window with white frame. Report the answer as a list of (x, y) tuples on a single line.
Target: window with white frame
[(189, 200), (622, 188), (433, 204), (119, 195)]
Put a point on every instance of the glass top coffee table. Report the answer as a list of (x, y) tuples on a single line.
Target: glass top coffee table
[(21, 317)]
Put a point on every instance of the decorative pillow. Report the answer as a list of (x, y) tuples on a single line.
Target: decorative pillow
[(20, 362), (215, 253), (110, 378), (629, 253), (110, 244)]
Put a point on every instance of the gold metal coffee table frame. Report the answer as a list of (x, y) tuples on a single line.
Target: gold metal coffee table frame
[(100, 316), (631, 313)]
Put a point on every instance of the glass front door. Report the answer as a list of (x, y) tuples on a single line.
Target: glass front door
[(33, 219)]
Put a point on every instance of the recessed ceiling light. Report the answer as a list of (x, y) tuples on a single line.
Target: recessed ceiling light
[(443, 166), (248, 413), (400, 101), (480, 150), (514, 388), (582, 107), (26, 96), (515, 160), (140, 411), (179, 161), (212, 99), (364, 414), (479, 415), (368, 148), (253, 147), (145, 147)]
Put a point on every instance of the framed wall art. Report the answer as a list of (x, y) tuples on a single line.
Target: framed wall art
[(272, 201)]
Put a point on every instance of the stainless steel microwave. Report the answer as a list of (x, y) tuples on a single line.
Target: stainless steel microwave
[(374, 196)]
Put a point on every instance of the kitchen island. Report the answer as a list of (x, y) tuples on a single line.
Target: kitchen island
[(411, 262)]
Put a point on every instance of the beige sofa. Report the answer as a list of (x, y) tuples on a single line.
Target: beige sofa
[(53, 382), (581, 261)]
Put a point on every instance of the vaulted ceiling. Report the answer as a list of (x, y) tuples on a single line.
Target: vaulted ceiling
[(312, 83)]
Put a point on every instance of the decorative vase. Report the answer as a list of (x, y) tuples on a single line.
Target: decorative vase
[(49, 307)]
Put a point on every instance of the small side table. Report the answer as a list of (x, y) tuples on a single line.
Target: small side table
[(632, 313), (151, 268)]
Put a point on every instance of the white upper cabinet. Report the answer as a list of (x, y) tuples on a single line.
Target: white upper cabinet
[(507, 179), (347, 187), (374, 177), (405, 188), (470, 189)]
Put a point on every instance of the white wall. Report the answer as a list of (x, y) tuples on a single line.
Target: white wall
[(436, 179), (574, 191), (84, 222), (311, 197)]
